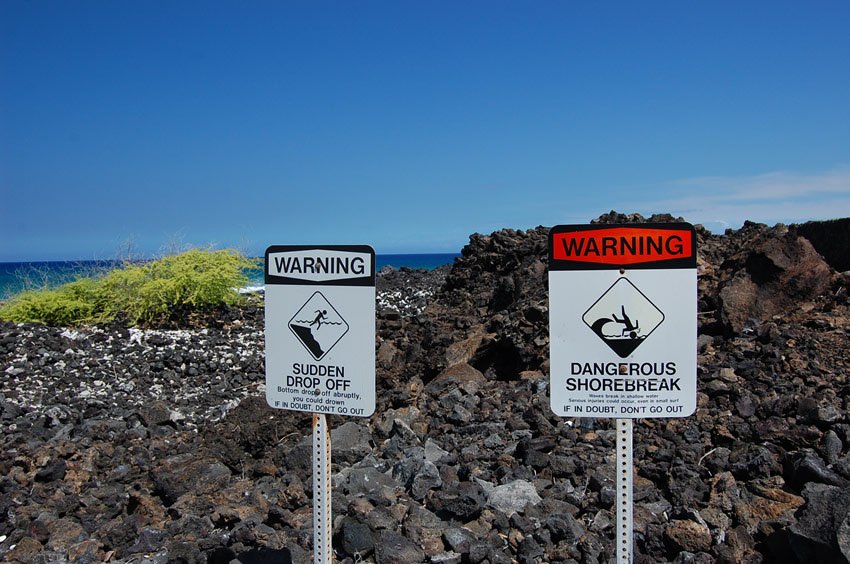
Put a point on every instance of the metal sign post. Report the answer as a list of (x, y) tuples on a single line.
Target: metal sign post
[(624, 505), (322, 524), (622, 332), (320, 350)]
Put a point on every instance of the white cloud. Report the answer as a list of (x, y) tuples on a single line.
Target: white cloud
[(774, 197)]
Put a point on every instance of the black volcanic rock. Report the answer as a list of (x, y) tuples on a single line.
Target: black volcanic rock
[(822, 530), (122, 444), (777, 272), (831, 239)]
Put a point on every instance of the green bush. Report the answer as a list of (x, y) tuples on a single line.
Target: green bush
[(73, 303), (146, 294)]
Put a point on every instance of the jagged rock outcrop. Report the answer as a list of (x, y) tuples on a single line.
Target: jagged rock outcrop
[(829, 238), (126, 446), (776, 272)]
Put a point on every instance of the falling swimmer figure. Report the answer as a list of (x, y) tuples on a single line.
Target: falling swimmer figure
[(320, 316), (631, 329)]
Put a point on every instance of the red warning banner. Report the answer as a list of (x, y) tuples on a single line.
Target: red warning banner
[(658, 245)]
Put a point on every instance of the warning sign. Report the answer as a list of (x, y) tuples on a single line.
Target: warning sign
[(320, 329), (623, 320)]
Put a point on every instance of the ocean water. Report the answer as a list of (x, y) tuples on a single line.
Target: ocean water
[(18, 276)]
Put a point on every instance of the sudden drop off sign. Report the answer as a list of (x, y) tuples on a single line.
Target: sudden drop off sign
[(320, 329), (622, 320)]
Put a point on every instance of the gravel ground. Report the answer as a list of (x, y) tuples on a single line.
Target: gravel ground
[(129, 445)]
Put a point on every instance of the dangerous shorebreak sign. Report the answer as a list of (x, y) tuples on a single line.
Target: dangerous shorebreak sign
[(320, 328), (622, 320)]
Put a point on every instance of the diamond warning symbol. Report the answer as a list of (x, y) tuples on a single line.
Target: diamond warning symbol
[(623, 317), (318, 325)]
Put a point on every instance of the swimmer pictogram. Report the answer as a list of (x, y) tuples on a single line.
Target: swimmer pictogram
[(623, 317), (318, 326)]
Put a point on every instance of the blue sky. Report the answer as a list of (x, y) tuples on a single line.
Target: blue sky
[(409, 125)]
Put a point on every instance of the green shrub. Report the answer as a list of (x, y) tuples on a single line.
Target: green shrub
[(73, 303), (175, 285), (147, 294)]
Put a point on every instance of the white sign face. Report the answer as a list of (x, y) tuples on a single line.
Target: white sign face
[(320, 329), (622, 338)]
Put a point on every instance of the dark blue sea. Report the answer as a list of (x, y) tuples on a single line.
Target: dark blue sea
[(18, 276)]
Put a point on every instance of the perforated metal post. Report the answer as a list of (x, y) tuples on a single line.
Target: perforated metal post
[(322, 525), (625, 466)]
